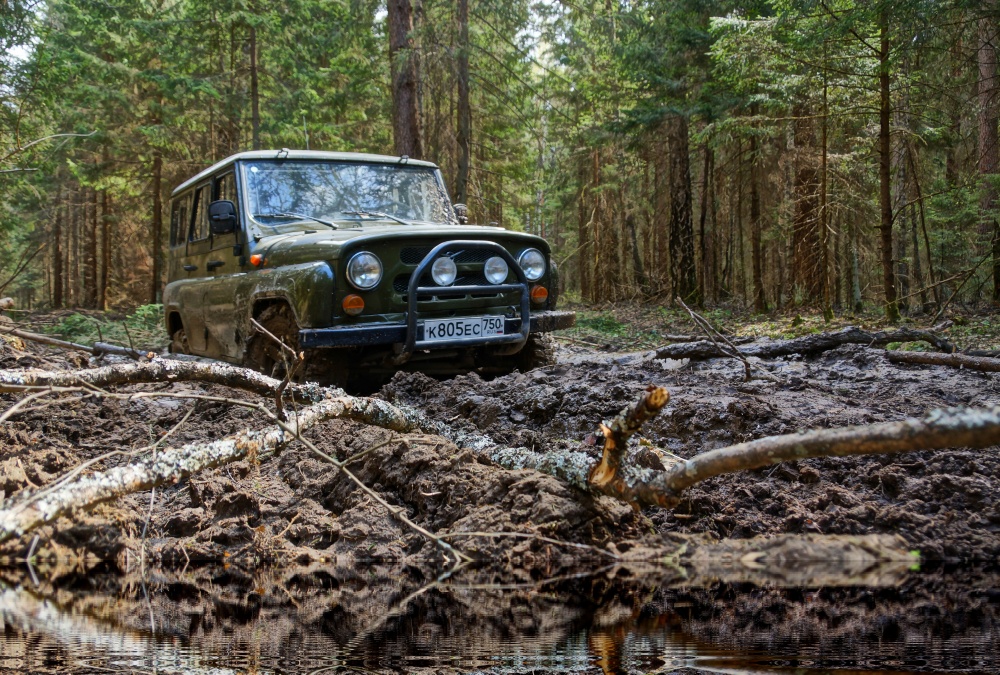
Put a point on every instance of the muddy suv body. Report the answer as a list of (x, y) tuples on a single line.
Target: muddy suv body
[(359, 261)]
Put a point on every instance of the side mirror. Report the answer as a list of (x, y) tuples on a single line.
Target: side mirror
[(462, 213), (222, 216)]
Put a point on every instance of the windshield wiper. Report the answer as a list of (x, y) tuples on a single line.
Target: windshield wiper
[(299, 216), (377, 214)]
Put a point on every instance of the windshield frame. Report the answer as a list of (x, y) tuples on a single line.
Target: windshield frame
[(349, 222)]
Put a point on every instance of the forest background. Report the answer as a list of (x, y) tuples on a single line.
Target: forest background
[(761, 154)]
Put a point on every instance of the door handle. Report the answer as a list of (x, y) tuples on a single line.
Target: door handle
[(190, 268), (212, 264)]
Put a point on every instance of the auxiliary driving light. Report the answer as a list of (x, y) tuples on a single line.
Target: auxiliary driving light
[(444, 271), (495, 270)]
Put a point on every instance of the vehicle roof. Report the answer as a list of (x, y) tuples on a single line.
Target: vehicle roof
[(285, 153)]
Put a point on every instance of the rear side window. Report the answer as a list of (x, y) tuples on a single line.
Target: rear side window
[(180, 220), (226, 187), (199, 227)]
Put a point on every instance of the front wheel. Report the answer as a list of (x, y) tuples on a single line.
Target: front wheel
[(263, 354), (538, 352)]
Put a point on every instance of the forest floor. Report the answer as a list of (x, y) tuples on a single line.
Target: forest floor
[(292, 508), (285, 542)]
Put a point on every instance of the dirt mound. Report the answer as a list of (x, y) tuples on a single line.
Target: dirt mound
[(296, 507)]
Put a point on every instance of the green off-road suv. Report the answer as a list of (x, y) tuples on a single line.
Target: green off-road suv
[(358, 261)]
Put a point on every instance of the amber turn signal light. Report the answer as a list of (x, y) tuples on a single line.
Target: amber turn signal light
[(256, 260), (354, 304), (539, 294)]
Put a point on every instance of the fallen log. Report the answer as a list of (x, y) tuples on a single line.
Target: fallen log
[(983, 363), (157, 370), (97, 349), (955, 427), (807, 345), (6, 303)]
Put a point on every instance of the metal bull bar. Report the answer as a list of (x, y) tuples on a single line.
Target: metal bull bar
[(414, 290)]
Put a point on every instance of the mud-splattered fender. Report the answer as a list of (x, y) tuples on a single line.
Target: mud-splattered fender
[(307, 287)]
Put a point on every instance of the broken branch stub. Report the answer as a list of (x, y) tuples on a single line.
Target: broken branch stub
[(617, 432)]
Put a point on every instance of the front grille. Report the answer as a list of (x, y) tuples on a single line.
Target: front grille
[(412, 255), (401, 284)]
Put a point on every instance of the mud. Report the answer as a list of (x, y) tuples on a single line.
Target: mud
[(294, 508), (391, 618)]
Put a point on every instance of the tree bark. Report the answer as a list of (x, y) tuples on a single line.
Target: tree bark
[(885, 171), (157, 233), (810, 344), (254, 88), (90, 278), (102, 300), (57, 254), (806, 251), (404, 65), (464, 107), (988, 115), (756, 230), (682, 258)]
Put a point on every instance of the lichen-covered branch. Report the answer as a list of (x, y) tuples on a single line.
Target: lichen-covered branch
[(158, 370), (810, 344), (175, 464), (963, 427)]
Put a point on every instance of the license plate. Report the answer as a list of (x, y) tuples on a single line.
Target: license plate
[(463, 328)]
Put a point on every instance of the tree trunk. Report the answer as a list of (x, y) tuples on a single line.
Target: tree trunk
[(989, 152), (707, 274), (807, 254), (885, 171), (90, 278), (105, 250), (464, 107), (254, 90), (73, 279), (157, 233), (682, 258), (756, 230), (57, 255), (404, 66)]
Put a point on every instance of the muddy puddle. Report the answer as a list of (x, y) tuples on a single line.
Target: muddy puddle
[(382, 618)]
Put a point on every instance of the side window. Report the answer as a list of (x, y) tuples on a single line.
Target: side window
[(199, 229), (225, 187), (180, 212)]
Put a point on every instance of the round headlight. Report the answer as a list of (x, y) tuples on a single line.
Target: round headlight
[(364, 270), (495, 270), (444, 271), (533, 263)]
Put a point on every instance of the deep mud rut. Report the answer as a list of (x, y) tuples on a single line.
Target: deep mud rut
[(294, 509)]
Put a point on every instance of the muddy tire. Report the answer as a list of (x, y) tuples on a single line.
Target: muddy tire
[(539, 351), (179, 342), (326, 366), (262, 353)]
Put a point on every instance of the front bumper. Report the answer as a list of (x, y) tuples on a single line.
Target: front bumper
[(365, 336)]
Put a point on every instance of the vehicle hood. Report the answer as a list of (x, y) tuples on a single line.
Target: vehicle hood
[(326, 244)]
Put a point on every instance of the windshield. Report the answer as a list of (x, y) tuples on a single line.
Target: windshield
[(344, 191)]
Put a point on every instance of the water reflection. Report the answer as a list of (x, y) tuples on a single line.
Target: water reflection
[(363, 618)]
